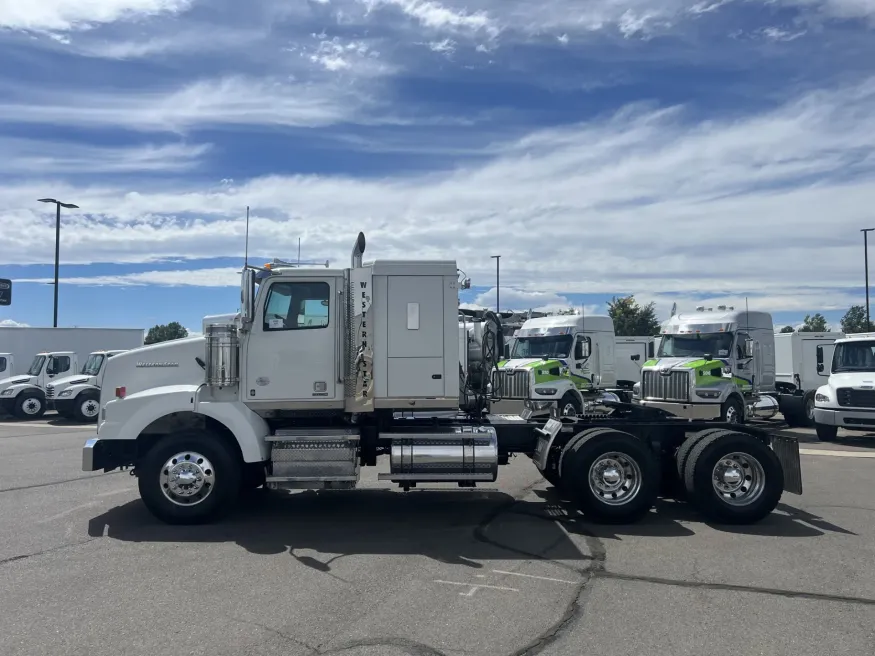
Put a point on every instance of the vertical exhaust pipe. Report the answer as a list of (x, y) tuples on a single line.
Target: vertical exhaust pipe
[(358, 250)]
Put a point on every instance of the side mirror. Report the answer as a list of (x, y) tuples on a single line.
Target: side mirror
[(581, 348), (247, 296), (748, 348), (820, 366), (635, 358)]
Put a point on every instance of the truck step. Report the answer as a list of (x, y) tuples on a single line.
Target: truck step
[(311, 482), (435, 478), (314, 457)]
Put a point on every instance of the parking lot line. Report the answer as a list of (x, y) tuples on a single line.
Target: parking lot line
[(836, 453)]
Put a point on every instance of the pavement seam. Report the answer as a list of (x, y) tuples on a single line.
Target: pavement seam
[(61, 547), (64, 482)]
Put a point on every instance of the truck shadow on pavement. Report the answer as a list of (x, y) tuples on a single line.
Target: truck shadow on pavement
[(457, 528)]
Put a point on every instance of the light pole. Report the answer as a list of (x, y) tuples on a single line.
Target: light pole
[(58, 205), (497, 259)]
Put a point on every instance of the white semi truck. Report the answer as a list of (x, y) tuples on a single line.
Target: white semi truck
[(77, 397), (798, 373), (51, 353), (847, 400), (632, 352), (324, 371)]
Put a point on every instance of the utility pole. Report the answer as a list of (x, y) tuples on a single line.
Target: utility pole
[(58, 205), (865, 232), (497, 259)]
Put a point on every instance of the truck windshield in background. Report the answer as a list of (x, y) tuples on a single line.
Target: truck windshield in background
[(92, 366), (854, 356), (554, 346), (718, 345), (36, 366)]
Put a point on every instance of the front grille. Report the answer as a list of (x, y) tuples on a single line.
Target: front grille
[(511, 383), (50, 391), (854, 398), (673, 387)]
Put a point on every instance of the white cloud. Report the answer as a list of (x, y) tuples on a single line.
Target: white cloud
[(30, 156), (447, 46), (779, 34), (231, 100), (78, 14), (11, 323), (435, 15), (640, 202), (215, 277)]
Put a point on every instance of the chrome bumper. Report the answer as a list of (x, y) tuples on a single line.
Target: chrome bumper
[(686, 410), (88, 455), (108, 454), (844, 418)]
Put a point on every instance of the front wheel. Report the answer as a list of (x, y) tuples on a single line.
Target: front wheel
[(732, 411), (807, 418), (189, 479), (86, 407), (826, 433), (570, 405), (733, 478), (611, 476), (30, 406)]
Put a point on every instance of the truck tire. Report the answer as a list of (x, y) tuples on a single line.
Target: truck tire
[(29, 405), (732, 411), (686, 447), (806, 417), (733, 478), (612, 476), (570, 402), (826, 433), (86, 407), (189, 478)]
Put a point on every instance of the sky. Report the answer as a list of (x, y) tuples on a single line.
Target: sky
[(691, 152)]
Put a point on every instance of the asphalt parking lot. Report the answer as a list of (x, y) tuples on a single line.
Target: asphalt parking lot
[(504, 569)]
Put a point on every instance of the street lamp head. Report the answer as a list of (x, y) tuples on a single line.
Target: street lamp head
[(47, 200), (69, 206), (867, 229)]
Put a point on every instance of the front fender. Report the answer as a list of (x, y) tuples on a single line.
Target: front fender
[(126, 419), (29, 389)]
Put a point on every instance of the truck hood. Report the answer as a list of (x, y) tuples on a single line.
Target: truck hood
[(17, 380), (78, 379), (684, 363), (859, 379), (531, 363)]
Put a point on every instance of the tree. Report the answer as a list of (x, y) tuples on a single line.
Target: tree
[(854, 320), (631, 318), (814, 324), (788, 329), (172, 330)]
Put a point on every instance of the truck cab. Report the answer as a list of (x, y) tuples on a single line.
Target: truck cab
[(567, 360), (78, 396), (7, 365), (847, 400), (713, 365), (24, 396)]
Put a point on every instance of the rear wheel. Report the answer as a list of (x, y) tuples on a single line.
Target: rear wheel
[(807, 417), (189, 478), (826, 433), (30, 406), (613, 477), (684, 450), (733, 478), (86, 407)]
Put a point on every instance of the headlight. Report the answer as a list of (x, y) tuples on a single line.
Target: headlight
[(545, 391), (821, 398), (708, 394), (66, 392), (636, 390), (7, 392)]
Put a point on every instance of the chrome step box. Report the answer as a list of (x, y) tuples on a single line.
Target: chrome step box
[(314, 459)]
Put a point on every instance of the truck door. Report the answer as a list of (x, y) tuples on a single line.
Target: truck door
[(291, 352), (3, 366), (56, 367), (809, 378)]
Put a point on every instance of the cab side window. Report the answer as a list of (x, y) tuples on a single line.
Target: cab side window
[(2, 364), (296, 306), (59, 364), (739, 345)]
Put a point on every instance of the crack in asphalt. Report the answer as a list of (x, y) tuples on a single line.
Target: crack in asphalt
[(64, 482), (13, 559)]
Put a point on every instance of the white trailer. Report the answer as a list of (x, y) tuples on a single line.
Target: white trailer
[(796, 372), (632, 352), (45, 354), (312, 381)]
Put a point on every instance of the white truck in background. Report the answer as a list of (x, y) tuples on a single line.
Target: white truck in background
[(51, 353), (632, 352), (77, 397), (847, 400), (798, 374), (7, 365)]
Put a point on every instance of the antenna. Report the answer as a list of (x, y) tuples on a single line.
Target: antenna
[(246, 254), (299, 251)]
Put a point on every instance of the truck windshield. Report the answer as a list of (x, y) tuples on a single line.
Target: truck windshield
[(554, 346), (36, 366), (854, 356), (92, 366), (718, 345)]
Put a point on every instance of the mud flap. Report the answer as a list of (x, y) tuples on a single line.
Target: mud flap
[(546, 435), (787, 450)]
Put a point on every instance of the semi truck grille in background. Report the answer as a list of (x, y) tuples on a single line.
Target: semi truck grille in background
[(511, 384), (852, 398), (674, 387), (50, 391)]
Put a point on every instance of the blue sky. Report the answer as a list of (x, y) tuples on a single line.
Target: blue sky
[(689, 152)]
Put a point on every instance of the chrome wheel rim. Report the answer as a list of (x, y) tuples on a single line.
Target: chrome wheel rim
[(615, 478), (89, 408), (731, 415), (31, 406), (809, 409), (187, 478), (738, 479), (569, 410)]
